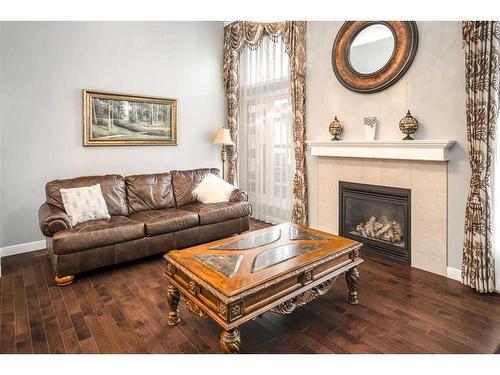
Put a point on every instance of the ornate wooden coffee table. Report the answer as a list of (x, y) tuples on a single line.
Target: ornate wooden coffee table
[(274, 269)]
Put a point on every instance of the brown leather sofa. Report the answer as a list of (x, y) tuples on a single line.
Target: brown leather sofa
[(150, 214)]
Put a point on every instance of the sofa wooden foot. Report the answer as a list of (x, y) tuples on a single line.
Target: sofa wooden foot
[(65, 280)]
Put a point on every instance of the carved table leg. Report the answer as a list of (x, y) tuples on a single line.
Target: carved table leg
[(173, 298), (230, 341), (352, 278)]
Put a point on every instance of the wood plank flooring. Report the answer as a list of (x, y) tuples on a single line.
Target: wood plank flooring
[(123, 309)]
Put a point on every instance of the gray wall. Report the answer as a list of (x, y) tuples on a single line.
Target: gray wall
[(44, 67), (433, 89)]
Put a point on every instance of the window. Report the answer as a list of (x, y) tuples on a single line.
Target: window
[(266, 161)]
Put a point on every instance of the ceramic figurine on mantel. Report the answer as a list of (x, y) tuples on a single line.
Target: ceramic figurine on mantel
[(408, 125), (370, 128), (336, 129)]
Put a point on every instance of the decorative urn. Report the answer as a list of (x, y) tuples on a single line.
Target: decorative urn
[(408, 125), (336, 129)]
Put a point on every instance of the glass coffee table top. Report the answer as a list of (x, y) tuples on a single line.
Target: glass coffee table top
[(225, 264), (258, 239), (228, 265), (300, 234), (279, 254)]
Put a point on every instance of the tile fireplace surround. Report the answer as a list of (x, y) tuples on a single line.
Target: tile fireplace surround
[(427, 180)]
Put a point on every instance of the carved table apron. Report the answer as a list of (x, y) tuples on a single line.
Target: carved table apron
[(233, 286)]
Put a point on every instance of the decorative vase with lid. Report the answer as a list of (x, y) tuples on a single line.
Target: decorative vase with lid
[(336, 129), (408, 125)]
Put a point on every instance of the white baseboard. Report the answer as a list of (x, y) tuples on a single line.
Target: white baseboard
[(21, 248), (454, 273)]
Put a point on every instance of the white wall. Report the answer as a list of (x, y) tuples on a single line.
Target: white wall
[(433, 89), (43, 68)]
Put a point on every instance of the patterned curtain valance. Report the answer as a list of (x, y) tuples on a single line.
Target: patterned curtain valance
[(482, 70), (239, 35), (242, 34)]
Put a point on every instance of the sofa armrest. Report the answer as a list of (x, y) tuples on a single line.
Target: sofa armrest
[(52, 219), (238, 195)]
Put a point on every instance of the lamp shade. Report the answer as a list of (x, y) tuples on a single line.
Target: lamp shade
[(223, 137)]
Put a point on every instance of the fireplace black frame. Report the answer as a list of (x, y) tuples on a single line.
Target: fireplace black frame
[(395, 195)]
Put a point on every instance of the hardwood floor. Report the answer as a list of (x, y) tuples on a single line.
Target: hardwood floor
[(123, 309)]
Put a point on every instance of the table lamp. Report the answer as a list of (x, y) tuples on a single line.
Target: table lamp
[(222, 137)]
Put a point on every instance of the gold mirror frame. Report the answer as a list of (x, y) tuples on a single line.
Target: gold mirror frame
[(405, 47)]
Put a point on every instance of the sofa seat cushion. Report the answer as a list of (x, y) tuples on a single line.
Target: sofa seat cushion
[(97, 233), (166, 221), (216, 212)]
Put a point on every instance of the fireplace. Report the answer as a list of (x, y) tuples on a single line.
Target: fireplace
[(377, 216)]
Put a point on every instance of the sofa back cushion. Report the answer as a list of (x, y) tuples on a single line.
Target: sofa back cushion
[(149, 192), (112, 186), (184, 182)]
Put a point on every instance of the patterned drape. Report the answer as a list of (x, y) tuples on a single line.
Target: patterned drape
[(481, 43), (239, 35)]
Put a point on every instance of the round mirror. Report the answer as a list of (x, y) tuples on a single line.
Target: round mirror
[(371, 49), (369, 56)]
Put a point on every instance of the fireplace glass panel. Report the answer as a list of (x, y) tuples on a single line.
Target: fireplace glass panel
[(379, 220), (378, 216)]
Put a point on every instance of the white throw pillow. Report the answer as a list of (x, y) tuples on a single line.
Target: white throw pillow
[(84, 204), (213, 189)]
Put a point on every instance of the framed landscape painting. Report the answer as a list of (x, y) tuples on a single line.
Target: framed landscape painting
[(123, 119)]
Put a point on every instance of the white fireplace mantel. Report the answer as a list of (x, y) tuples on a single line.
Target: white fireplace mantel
[(437, 150)]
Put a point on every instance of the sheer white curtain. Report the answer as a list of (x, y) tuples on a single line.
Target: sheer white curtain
[(266, 159)]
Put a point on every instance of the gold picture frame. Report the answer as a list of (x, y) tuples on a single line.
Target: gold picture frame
[(115, 119)]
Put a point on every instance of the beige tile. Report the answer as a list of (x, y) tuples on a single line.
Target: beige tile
[(328, 168), (328, 192), (428, 206), (329, 229), (429, 238), (328, 219), (325, 167), (429, 175), (348, 169), (428, 262), (397, 173), (371, 171)]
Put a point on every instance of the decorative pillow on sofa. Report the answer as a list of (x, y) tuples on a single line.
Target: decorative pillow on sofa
[(84, 204), (213, 189)]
